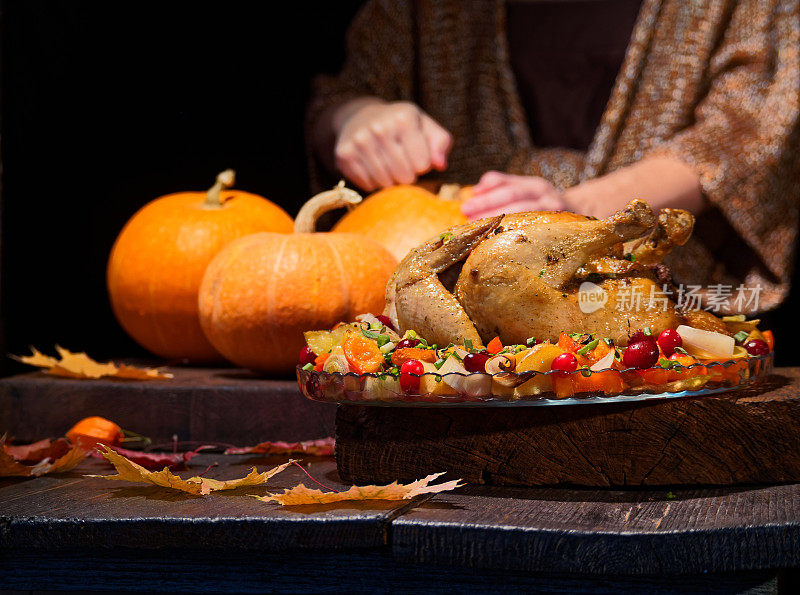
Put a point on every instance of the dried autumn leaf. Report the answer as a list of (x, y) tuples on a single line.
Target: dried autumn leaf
[(37, 451), (80, 365), (155, 460), (394, 491), (129, 471), (10, 467), (318, 448)]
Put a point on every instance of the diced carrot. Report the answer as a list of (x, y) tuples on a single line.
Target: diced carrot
[(401, 356), (362, 354), (320, 360), (494, 346), (769, 339)]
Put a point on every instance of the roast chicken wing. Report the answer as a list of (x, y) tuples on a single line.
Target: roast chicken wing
[(519, 276)]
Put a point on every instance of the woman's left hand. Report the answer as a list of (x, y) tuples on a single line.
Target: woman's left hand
[(497, 193)]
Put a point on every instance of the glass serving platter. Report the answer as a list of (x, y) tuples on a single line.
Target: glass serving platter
[(522, 390)]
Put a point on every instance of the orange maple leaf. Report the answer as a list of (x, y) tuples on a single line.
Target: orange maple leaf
[(11, 467), (199, 486), (394, 491), (80, 365)]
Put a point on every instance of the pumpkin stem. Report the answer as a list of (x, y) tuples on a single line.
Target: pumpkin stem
[(306, 220), (224, 181), (450, 192)]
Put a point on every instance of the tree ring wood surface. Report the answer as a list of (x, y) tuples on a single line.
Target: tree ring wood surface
[(743, 437)]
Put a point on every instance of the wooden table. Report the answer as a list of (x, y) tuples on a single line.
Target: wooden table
[(69, 531)]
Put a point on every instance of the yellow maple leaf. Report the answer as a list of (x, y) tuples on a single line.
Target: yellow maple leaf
[(201, 486), (9, 467), (394, 491), (80, 365)]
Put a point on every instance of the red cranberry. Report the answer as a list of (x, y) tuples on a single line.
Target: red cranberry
[(566, 362), (409, 383), (757, 347), (643, 354), (307, 356), (476, 362), (668, 340), (385, 321), (640, 336), (405, 343)]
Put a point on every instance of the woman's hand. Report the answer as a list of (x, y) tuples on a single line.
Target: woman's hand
[(379, 144), (498, 193)]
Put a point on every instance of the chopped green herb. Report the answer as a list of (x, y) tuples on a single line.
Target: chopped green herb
[(458, 357), (630, 256), (434, 346), (467, 344), (530, 341), (609, 342), (382, 340), (370, 334), (308, 367), (588, 347), (439, 363), (575, 336), (410, 334), (586, 372), (519, 348), (648, 331), (541, 273), (671, 496), (594, 277), (446, 236), (423, 343), (741, 336), (681, 350), (438, 378)]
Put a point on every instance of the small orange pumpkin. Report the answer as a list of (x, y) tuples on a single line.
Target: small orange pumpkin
[(261, 292), (159, 258), (402, 217)]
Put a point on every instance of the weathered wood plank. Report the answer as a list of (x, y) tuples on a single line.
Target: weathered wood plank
[(199, 404), (747, 436), (605, 532), (72, 511)]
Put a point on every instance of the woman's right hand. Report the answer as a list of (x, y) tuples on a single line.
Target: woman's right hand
[(380, 144)]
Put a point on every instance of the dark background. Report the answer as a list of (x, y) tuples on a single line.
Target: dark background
[(107, 105)]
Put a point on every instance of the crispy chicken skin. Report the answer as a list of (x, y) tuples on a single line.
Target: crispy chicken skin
[(520, 276)]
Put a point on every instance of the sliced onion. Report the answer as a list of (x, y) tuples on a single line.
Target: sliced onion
[(456, 376), (604, 363), (370, 319), (381, 389), (336, 363), (706, 342), (388, 347), (500, 363)]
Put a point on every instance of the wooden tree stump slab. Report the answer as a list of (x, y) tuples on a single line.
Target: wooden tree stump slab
[(746, 436)]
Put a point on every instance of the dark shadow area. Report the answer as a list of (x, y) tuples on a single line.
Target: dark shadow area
[(108, 105)]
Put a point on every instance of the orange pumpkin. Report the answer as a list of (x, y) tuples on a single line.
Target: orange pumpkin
[(261, 292), (159, 258), (402, 217)]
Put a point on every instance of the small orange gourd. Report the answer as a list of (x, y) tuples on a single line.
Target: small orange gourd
[(159, 258), (404, 216), (261, 292), (91, 431)]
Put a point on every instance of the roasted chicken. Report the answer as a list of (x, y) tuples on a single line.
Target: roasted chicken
[(525, 275)]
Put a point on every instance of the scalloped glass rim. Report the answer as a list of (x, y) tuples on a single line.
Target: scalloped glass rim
[(332, 387)]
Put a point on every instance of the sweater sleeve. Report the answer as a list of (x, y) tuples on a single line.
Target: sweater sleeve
[(743, 141), (380, 61)]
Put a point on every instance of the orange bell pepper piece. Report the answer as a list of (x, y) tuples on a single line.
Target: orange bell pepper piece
[(401, 356), (567, 343), (769, 339), (609, 382), (362, 354), (494, 346)]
